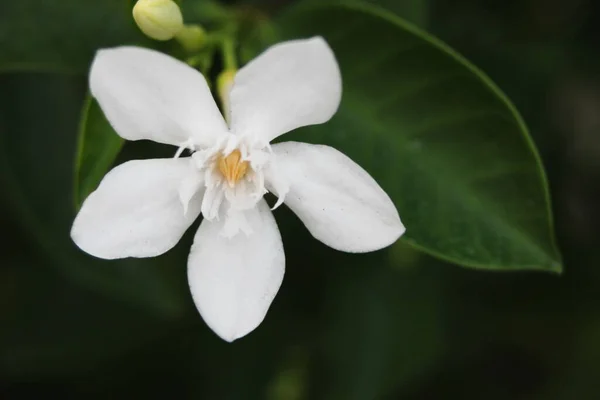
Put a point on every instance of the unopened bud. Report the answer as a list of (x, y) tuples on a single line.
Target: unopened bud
[(158, 19), (224, 84), (191, 37)]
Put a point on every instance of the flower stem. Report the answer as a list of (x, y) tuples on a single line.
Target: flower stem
[(229, 56)]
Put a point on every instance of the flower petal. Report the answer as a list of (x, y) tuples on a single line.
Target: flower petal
[(190, 185), (234, 280), (337, 200), (136, 210), (291, 84), (146, 94)]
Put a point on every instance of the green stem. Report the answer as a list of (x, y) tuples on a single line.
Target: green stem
[(229, 56)]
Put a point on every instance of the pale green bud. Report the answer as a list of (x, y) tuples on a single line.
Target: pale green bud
[(158, 19), (191, 37), (224, 84)]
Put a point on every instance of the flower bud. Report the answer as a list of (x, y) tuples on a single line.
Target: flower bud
[(158, 19), (191, 37), (224, 84)]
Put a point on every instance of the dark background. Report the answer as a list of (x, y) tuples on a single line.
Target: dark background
[(393, 324)]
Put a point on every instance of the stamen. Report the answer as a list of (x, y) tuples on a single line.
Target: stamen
[(188, 144), (232, 167)]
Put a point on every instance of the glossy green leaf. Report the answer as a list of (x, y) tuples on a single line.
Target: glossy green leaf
[(98, 147), (415, 11), (63, 35), (446, 144)]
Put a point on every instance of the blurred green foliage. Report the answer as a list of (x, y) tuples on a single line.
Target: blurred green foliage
[(45, 36), (392, 324)]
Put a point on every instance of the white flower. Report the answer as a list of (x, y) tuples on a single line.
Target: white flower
[(236, 265)]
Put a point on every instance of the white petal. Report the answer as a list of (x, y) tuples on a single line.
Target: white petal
[(191, 184), (146, 94), (211, 202), (278, 181), (234, 280), (337, 200), (136, 210), (236, 222), (291, 84)]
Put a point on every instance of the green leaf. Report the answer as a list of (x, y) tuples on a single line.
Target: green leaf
[(62, 36), (445, 143), (98, 147), (415, 11)]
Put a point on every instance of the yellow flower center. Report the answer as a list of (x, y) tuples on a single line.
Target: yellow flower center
[(232, 167)]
